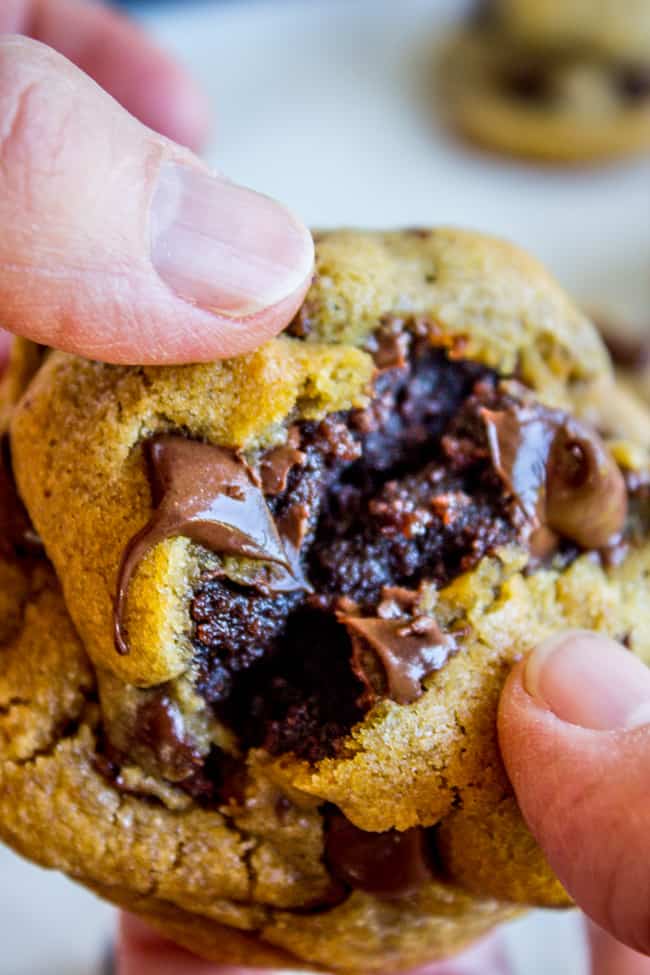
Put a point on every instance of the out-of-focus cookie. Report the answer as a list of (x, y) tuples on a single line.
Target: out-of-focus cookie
[(540, 81)]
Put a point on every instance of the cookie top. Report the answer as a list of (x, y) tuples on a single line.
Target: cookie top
[(619, 28)]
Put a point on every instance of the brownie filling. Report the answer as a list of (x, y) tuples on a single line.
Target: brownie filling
[(343, 524), (378, 500)]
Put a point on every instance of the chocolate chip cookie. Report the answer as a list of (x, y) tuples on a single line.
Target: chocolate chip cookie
[(258, 612), (550, 80)]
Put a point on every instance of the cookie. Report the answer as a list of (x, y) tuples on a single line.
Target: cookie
[(552, 81), (249, 685)]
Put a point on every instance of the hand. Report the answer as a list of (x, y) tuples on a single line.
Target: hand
[(120, 57), (117, 243), (141, 952), (574, 729)]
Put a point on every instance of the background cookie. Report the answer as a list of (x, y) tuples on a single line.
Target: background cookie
[(510, 85)]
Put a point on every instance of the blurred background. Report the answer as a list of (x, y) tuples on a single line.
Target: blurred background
[(329, 106)]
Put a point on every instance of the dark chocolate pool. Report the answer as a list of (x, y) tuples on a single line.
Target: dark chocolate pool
[(347, 521)]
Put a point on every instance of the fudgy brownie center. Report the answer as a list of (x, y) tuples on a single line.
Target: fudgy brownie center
[(383, 498)]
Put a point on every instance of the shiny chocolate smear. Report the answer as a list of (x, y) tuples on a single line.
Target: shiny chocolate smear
[(387, 865), (407, 650), (276, 465), (561, 475), (207, 494)]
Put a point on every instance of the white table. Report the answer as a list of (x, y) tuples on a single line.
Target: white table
[(326, 105)]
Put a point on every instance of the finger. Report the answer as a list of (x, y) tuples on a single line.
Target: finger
[(120, 57), (119, 245), (576, 745), (488, 957), (5, 346), (610, 957), (141, 952)]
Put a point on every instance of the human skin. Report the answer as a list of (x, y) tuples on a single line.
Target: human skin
[(153, 261)]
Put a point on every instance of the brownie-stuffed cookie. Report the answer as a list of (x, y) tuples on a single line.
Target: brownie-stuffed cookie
[(550, 80), (258, 613)]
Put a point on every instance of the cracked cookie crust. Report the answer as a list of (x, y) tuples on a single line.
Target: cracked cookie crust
[(253, 697)]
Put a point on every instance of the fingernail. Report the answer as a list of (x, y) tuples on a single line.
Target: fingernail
[(590, 681), (224, 247)]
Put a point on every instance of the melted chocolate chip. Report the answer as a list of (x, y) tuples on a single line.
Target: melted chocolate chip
[(560, 474), (586, 496), (388, 865), (275, 467), (408, 650), (205, 493), (160, 727)]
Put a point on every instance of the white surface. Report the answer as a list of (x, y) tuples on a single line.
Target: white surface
[(326, 105)]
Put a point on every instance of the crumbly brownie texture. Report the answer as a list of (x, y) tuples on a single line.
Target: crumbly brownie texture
[(303, 685), (534, 80)]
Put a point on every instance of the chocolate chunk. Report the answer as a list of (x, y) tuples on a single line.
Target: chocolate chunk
[(387, 865), (560, 474), (586, 496), (527, 82), (159, 727), (205, 493), (634, 82), (520, 440), (407, 649)]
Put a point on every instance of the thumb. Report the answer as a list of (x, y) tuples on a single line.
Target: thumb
[(576, 744), (120, 245)]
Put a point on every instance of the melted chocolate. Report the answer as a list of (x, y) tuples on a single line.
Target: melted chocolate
[(205, 493), (275, 466), (408, 650), (160, 727), (560, 473), (388, 865)]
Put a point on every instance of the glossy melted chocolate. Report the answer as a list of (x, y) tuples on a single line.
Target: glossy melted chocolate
[(388, 865), (205, 493), (408, 650), (560, 473)]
